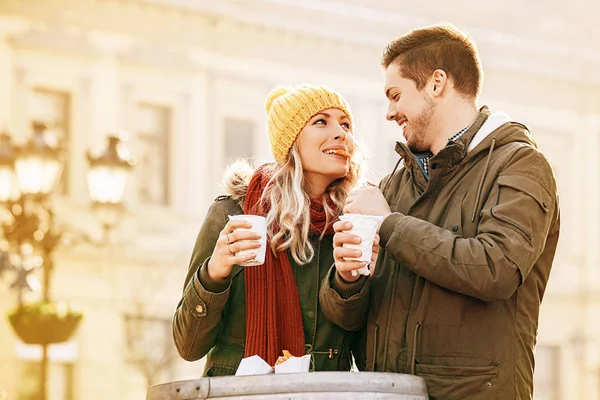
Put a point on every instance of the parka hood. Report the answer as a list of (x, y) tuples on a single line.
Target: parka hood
[(236, 178)]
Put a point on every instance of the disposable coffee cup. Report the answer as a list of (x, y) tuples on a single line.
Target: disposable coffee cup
[(364, 226), (259, 225)]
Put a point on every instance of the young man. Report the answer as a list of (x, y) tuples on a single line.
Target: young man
[(470, 231)]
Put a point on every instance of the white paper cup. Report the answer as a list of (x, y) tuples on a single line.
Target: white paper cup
[(259, 225), (364, 226)]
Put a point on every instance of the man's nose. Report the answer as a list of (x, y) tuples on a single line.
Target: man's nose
[(391, 115)]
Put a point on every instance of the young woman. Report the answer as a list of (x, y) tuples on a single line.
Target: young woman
[(230, 312)]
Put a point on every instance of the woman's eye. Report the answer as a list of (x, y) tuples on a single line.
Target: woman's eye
[(320, 122), (396, 96), (346, 125)]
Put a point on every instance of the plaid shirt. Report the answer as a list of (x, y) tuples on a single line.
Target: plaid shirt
[(423, 158)]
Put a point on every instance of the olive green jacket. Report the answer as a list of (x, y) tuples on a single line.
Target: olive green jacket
[(465, 260), (211, 316)]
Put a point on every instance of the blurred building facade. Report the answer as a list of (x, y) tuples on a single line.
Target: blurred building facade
[(187, 80)]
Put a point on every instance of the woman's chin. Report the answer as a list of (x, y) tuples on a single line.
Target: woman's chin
[(341, 173), (331, 176)]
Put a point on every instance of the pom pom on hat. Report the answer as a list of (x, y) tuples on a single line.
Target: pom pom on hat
[(274, 95)]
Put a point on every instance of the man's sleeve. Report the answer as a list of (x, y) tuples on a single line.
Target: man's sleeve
[(515, 221)]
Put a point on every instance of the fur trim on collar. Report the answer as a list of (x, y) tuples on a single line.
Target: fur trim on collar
[(236, 178)]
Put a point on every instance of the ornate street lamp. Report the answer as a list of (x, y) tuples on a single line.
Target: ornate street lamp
[(28, 176), (38, 164), (107, 180), (109, 173)]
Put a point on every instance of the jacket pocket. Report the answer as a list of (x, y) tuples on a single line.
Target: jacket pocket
[(223, 359), (460, 383), (512, 190), (529, 187)]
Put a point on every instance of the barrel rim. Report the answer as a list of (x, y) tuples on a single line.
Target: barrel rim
[(312, 382)]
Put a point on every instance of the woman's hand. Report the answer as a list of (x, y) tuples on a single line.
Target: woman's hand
[(232, 240), (346, 269)]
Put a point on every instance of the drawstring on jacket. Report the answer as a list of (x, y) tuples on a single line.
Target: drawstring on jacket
[(392, 175), (480, 188), (413, 357)]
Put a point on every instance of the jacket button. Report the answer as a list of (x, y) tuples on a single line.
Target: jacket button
[(455, 228), (488, 384), (434, 166), (310, 314), (199, 309)]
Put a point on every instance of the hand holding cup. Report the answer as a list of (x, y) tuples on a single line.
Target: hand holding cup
[(355, 244), (239, 242)]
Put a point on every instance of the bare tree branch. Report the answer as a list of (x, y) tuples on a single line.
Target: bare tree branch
[(148, 340)]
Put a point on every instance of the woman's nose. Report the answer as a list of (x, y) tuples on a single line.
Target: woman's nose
[(340, 133)]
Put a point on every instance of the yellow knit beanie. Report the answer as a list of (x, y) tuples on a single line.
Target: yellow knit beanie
[(290, 108)]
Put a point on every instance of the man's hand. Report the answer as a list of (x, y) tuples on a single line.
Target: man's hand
[(374, 256), (367, 200)]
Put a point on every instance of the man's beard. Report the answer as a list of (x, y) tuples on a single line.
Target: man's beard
[(420, 128)]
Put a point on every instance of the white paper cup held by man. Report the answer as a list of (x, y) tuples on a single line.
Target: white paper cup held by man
[(259, 225), (364, 226)]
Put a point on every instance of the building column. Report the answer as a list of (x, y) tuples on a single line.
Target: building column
[(99, 349), (105, 98), (198, 149), (591, 254), (9, 27)]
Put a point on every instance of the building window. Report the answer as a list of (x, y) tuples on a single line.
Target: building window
[(153, 133), (53, 108), (59, 385), (546, 379), (150, 348), (60, 382), (238, 139)]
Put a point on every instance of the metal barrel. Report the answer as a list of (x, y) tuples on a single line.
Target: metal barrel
[(306, 386)]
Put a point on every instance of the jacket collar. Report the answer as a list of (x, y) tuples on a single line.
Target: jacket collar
[(484, 124), (456, 151)]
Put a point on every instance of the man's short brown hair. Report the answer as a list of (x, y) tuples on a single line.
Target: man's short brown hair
[(421, 51)]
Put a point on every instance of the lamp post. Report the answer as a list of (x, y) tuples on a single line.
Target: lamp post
[(107, 180), (28, 177)]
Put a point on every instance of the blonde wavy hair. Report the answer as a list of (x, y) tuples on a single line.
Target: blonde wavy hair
[(288, 188)]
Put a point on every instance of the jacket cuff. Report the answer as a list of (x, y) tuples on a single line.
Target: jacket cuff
[(200, 301), (347, 289), (210, 284), (387, 228)]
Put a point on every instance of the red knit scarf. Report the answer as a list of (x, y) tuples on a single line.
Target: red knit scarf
[(273, 315)]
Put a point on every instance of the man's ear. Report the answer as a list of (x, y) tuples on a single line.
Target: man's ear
[(438, 82)]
